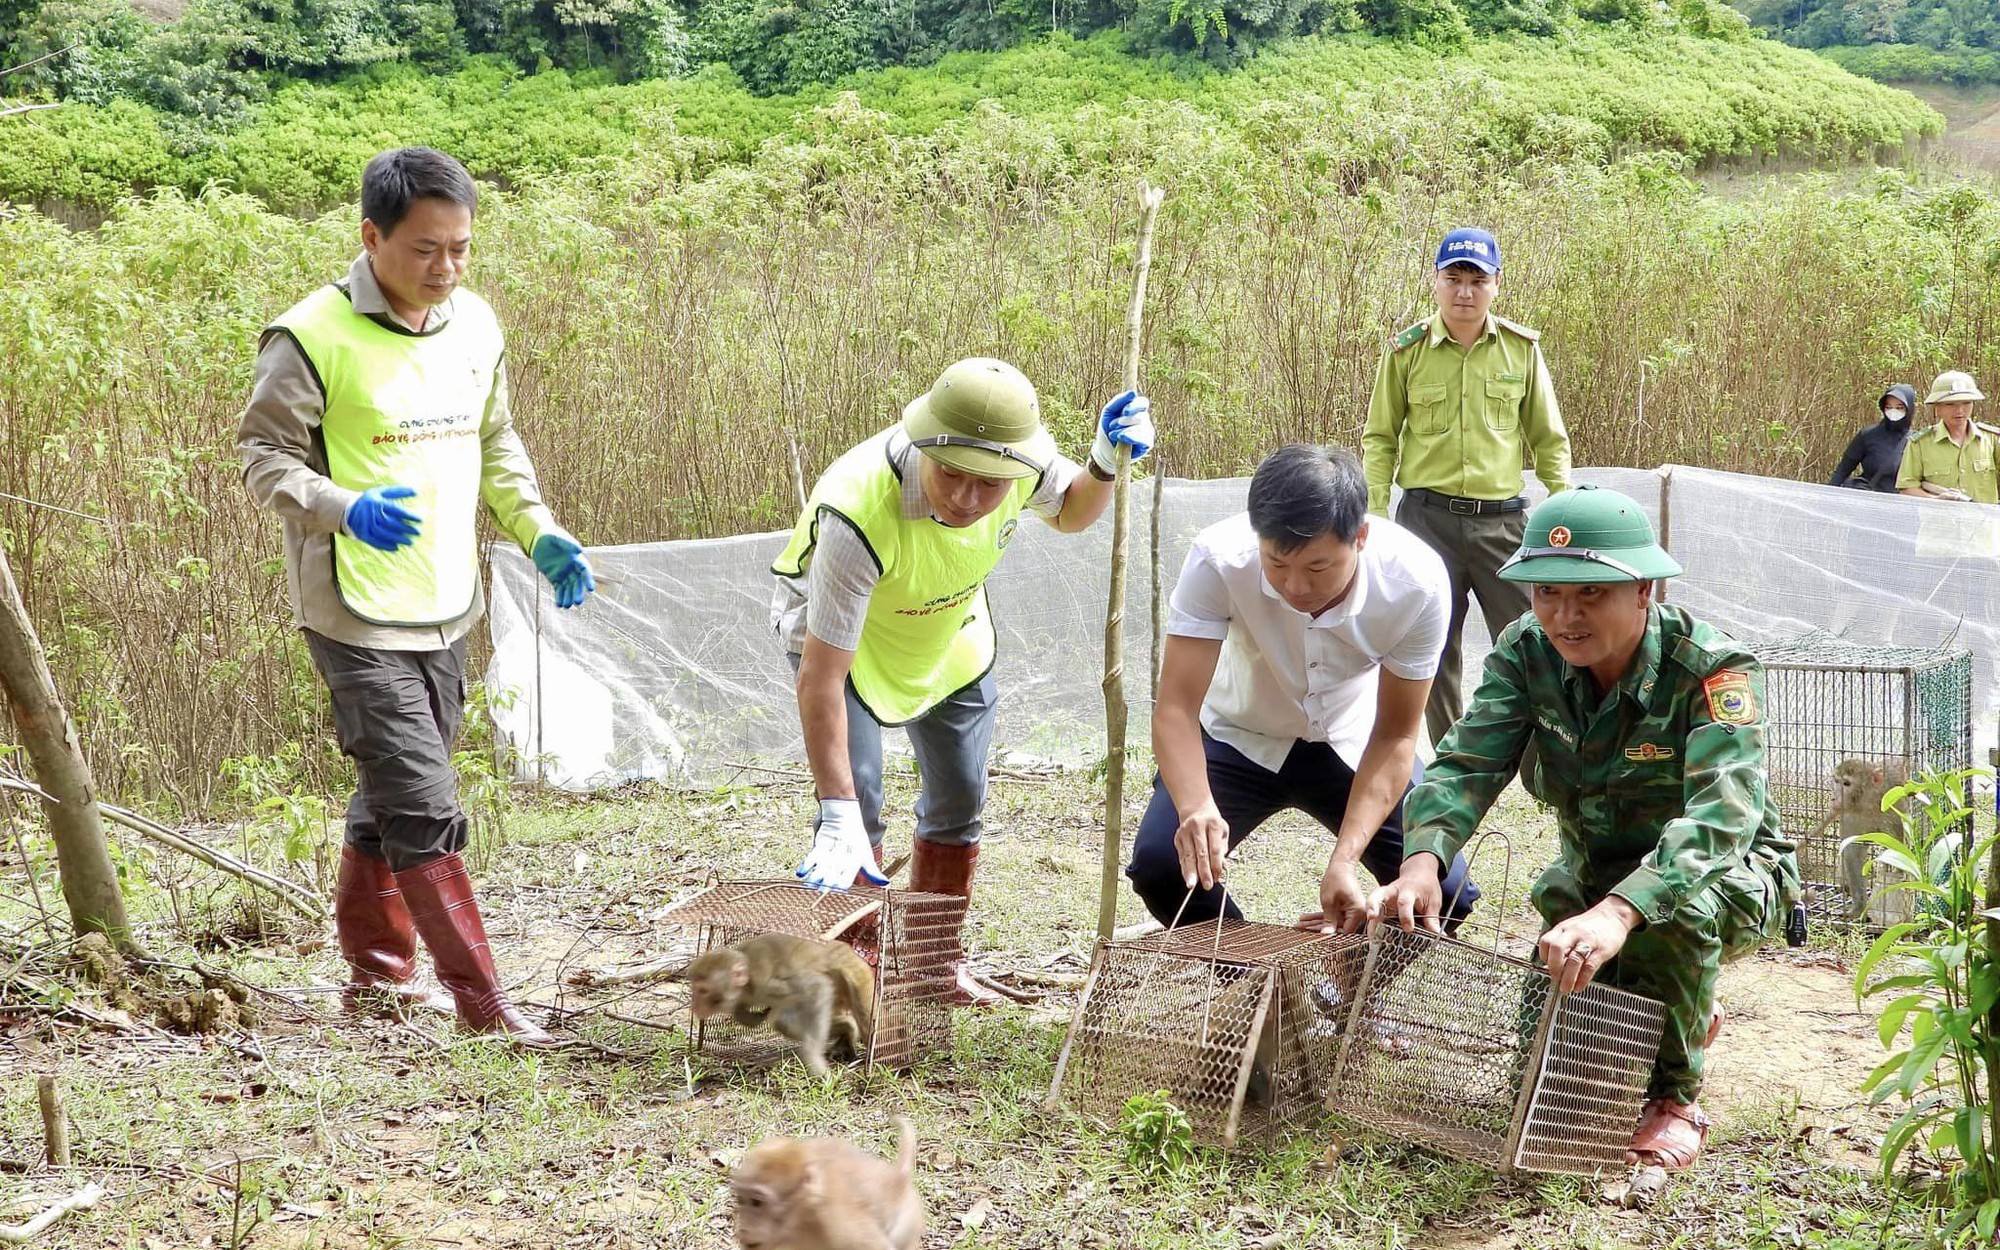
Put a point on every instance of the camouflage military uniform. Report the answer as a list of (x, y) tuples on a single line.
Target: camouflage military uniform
[(1660, 798)]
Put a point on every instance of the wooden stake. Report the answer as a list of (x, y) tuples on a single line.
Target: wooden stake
[(55, 1123), (1114, 616)]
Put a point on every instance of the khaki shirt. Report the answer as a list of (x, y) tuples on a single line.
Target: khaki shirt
[(1932, 457), (1460, 421), (284, 467)]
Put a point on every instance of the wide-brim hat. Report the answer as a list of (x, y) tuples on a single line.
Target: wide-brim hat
[(1586, 536), (1952, 388), (981, 417)]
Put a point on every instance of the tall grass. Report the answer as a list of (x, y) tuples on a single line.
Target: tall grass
[(672, 329)]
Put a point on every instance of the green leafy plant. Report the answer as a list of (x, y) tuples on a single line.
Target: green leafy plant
[(1940, 975), (1159, 1140), (483, 788), (281, 807)]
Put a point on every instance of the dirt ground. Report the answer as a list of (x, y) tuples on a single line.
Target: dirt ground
[(306, 1130)]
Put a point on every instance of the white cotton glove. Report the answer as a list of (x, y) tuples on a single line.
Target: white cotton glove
[(840, 848)]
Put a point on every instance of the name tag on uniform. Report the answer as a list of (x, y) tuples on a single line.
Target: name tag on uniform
[(1510, 377), (1568, 738)]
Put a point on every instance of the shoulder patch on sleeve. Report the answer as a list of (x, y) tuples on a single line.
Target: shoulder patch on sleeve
[(1517, 328), (1730, 698), (1412, 335)]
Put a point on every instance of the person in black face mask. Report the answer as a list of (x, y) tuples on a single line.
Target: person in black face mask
[(1873, 456)]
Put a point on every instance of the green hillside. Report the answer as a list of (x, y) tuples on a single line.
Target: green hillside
[(1594, 94)]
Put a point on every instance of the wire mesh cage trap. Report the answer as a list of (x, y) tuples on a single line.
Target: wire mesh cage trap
[(1239, 1022), (1906, 710), (912, 938), (1473, 1054)]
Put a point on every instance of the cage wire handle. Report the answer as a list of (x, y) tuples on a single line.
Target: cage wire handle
[(1159, 958), (1471, 850)]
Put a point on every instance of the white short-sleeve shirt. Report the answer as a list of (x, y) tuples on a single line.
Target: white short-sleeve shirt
[(1285, 676)]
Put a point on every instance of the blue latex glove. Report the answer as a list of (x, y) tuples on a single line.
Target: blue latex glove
[(840, 848), (1126, 421), (378, 520), (561, 561)]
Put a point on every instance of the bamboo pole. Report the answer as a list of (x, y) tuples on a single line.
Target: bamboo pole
[(1114, 616)]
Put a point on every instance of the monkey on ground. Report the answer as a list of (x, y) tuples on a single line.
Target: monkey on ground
[(1858, 787), (821, 1193), (803, 988)]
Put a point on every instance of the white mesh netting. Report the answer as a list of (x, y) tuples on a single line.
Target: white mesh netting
[(672, 671)]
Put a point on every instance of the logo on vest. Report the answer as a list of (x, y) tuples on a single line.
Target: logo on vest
[(1007, 532), (431, 429)]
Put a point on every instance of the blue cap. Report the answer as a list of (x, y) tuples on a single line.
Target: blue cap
[(1470, 247)]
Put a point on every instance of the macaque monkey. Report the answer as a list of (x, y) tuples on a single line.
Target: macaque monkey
[(1858, 787), (1238, 997), (803, 988), (821, 1193)]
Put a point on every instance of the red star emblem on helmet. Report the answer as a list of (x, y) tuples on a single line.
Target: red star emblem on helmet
[(1559, 536)]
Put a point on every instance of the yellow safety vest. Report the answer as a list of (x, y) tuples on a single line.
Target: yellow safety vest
[(928, 633), (404, 409)]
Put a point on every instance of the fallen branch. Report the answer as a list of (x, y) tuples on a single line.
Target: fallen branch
[(1004, 989), (82, 1200), (295, 896), (1050, 980), (626, 976)]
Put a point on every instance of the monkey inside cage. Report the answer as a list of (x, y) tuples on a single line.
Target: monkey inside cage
[(1844, 724), (910, 939), (1238, 1022), (1474, 1054)]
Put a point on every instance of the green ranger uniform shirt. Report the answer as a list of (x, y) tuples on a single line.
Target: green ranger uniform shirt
[(928, 633), (1932, 457), (1658, 786), (1461, 421)]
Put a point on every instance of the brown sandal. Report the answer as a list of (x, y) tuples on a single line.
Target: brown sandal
[(1670, 1135)]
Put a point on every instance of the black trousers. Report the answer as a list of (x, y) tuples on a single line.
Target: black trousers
[(395, 714), (1314, 780)]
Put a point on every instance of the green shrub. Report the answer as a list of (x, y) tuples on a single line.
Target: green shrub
[(1595, 96)]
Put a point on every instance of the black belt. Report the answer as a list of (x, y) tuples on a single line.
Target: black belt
[(1465, 507)]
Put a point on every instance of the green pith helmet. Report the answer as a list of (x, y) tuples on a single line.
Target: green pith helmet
[(1587, 535), (1953, 387), (981, 417)]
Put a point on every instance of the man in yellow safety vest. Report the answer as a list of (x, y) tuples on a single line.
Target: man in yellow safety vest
[(881, 603), (378, 423)]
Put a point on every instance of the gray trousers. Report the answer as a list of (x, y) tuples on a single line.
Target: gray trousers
[(951, 743), (1474, 548), (395, 714)]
